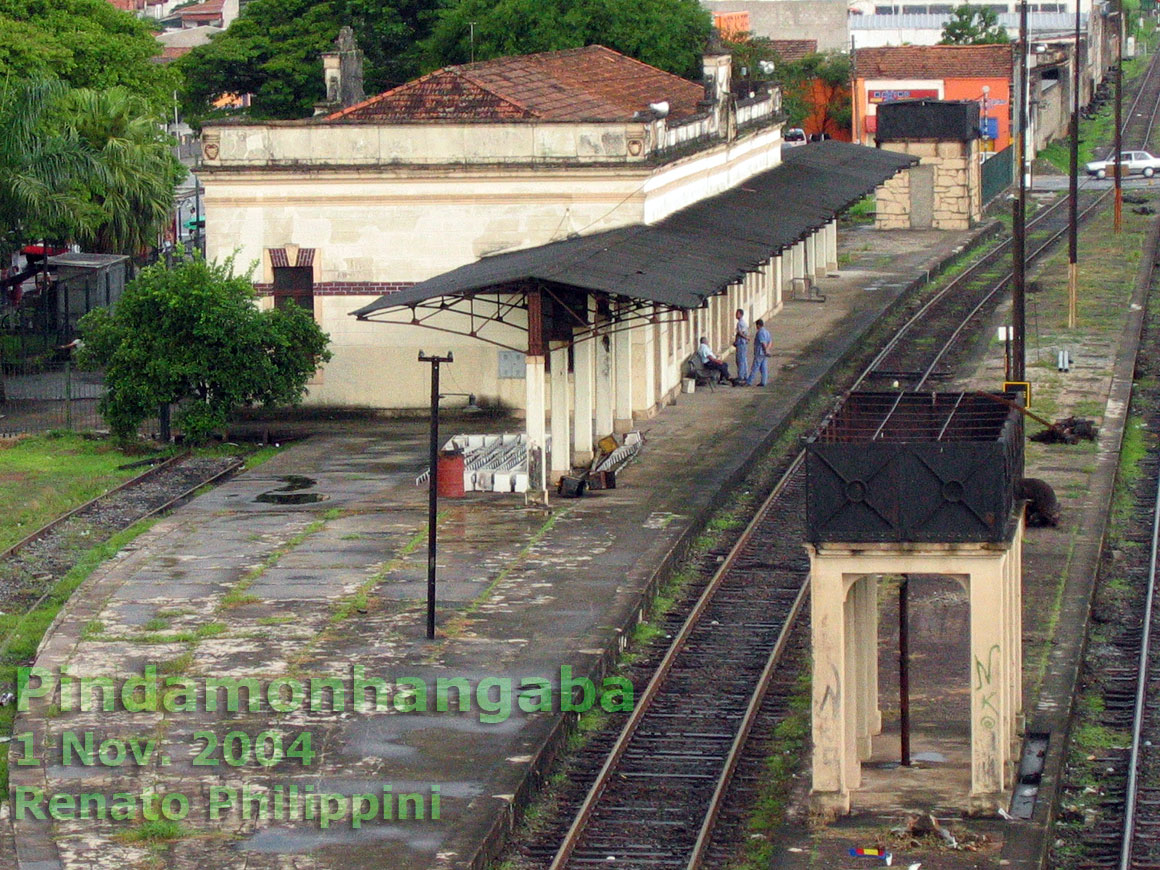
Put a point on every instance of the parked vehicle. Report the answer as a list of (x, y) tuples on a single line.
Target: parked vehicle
[(794, 137), (1134, 162)]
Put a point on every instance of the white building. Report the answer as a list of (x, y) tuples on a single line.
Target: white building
[(532, 181)]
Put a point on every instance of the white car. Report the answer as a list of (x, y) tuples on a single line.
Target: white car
[(794, 137), (1134, 162)]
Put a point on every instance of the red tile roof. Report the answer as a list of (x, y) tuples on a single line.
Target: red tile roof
[(934, 62), (207, 9), (580, 84), (789, 50)]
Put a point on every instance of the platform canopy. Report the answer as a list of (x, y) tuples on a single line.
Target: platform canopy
[(675, 264)]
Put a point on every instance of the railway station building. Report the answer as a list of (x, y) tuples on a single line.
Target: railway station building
[(567, 224)]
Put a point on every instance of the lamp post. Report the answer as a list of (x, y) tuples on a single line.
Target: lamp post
[(433, 488)]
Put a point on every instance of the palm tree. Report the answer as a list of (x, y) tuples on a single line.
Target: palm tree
[(40, 167), (132, 195)]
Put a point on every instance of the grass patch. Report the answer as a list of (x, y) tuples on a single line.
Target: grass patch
[(45, 476), (159, 831)]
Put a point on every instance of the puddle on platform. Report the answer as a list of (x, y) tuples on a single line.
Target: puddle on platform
[(289, 494), (929, 757)]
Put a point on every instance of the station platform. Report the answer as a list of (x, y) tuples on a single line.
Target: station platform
[(313, 565)]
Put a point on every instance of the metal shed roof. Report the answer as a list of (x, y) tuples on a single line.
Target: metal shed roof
[(692, 254)]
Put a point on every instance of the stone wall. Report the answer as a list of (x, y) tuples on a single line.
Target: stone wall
[(957, 191), (892, 203)]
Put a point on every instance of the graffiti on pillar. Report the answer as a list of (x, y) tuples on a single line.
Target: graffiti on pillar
[(831, 697), (984, 684)]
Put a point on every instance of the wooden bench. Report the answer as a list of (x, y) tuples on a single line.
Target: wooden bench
[(696, 370)]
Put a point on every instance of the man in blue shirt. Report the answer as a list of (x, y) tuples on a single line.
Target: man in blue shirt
[(761, 343), (741, 342)]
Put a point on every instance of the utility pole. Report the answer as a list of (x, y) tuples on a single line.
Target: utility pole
[(1118, 213), (1018, 247), (1073, 189), (433, 489)]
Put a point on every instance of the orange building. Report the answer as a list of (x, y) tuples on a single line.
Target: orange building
[(731, 25), (938, 72)]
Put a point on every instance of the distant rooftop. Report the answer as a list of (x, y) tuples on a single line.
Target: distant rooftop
[(790, 50), (934, 61), (581, 84)]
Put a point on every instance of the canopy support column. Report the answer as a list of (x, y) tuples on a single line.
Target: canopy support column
[(535, 405), (622, 347), (561, 434), (583, 359), (605, 401), (831, 232)]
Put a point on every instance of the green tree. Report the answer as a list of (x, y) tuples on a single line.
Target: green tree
[(816, 90), (273, 49), (669, 34), (131, 198), (973, 25), (84, 43), (193, 336), (42, 167)]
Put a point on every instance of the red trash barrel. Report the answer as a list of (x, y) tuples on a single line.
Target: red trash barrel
[(449, 478)]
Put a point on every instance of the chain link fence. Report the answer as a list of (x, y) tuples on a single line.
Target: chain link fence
[(39, 396)]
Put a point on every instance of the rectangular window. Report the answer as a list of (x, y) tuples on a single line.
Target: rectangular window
[(294, 285)]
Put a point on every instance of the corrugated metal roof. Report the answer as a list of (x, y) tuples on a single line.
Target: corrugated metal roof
[(690, 255)]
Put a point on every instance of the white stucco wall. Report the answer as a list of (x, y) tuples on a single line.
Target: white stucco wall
[(373, 224)]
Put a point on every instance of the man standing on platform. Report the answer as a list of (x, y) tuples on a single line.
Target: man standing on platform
[(761, 343), (741, 342)]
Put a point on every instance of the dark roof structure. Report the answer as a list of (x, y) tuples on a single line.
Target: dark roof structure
[(593, 83), (691, 255)]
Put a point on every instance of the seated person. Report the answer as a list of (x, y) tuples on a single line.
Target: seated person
[(713, 362)]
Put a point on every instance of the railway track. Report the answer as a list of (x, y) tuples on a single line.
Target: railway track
[(653, 796), (31, 568), (1110, 798), (1121, 679)]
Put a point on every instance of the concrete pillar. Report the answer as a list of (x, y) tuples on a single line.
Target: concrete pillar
[(561, 435), (832, 248), (535, 395), (778, 283), (643, 370), (852, 762), (989, 674), (622, 351), (811, 246), (583, 382), (828, 632), (869, 717), (605, 397), (1016, 586), (535, 425), (799, 260)]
